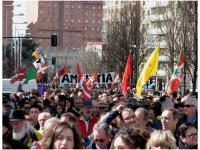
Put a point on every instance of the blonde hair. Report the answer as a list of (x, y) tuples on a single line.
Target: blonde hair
[(163, 139)]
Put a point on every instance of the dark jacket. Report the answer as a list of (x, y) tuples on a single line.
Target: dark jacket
[(10, 143)]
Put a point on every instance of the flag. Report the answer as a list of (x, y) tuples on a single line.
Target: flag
[(38, 62), (86, 93), (91, 80), (127, 75), (30, 74), (116, 79), (63, 71), (175, 80), (55, 78), (37, 53), (19, 76), (42, 69), (150, 69)]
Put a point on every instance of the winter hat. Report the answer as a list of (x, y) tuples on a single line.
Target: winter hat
[(17, 115)]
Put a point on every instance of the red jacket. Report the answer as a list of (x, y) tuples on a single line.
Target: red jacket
[(82, 126)]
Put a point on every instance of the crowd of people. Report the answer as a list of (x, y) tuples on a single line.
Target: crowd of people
[(62, 119)]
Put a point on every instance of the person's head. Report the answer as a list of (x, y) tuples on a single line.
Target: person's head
[(42, 117), (46, 95), (50, 124), (68, 117), (141, 115), (169, 119), (128, 116), (161, 140), (35, 111), (86, 110), (26, 107), (95, 108), (78, 102), (59, 109), (18, 124), (122, 99), (190, 105), (102, 135), (187, 134), (64, 136), (128, 138), (20, 95)]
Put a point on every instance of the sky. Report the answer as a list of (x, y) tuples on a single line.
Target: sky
[(29, 10)]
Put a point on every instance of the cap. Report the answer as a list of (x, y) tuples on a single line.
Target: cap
[(17, 115), (87, 104)]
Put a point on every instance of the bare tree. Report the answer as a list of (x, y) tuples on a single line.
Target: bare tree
[(124, 31)]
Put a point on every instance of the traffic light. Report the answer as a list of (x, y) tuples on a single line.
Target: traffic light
[(53, 40), (53, 60)]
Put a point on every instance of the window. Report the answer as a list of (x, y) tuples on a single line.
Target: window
[(85, 28), (92, 28), (67, 6), (93, 7), (93, 21), (79, 21), (79, 6), (73, 6), (72, 20), (87, 14), (86, 21), (67, 13), (93, 15)]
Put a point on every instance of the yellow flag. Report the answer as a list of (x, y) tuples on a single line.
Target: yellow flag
[(150, 69)]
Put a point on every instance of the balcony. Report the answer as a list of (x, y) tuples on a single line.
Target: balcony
[(157, 31)]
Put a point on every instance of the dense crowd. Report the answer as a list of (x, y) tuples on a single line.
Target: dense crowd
[(61, 119)]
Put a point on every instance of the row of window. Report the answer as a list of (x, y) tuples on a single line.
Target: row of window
[(74, 13), (86, 21), (85, 7)]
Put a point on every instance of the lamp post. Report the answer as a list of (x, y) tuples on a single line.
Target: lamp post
[(18, 47)]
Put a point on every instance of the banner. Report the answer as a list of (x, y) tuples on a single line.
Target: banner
[(104, 78)]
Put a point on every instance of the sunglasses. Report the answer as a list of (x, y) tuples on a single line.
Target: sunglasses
[(188, 106), (191, 135), (26, 107), (102, 107), (99, 140)]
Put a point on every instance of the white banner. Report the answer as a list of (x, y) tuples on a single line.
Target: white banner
[(104, 78)]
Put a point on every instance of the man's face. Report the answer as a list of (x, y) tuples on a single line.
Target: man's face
[(78, 103), (101, 139), (129, 118), (140, 121), (34, 112), (18, 129), (26, 108), (191, 137), (95, 107), (41, 119), (87, 114), (189, 108), (168, 122)]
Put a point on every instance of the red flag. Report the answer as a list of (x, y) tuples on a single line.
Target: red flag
[(18, 76), (91, 80), (86, 93), (175, 80), (63, 71), (116, 79), (127, 75)]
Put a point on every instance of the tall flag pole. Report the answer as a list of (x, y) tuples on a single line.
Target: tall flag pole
[(175, 80), (150, 69), (127, 74), (82, 83)]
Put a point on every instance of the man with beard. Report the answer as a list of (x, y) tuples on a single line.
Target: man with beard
[(86, 121), (21, 130)]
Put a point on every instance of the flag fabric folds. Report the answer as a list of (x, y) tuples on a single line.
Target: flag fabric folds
[(175, 80), (116, 79), (63, 71), (38, 62), (127, 74), (30, 74), (150, 69), (91, 80), (86, 93), (19, 76), (37, 53)]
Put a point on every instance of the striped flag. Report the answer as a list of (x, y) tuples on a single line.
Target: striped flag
[(37, 53), (86, 93)]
